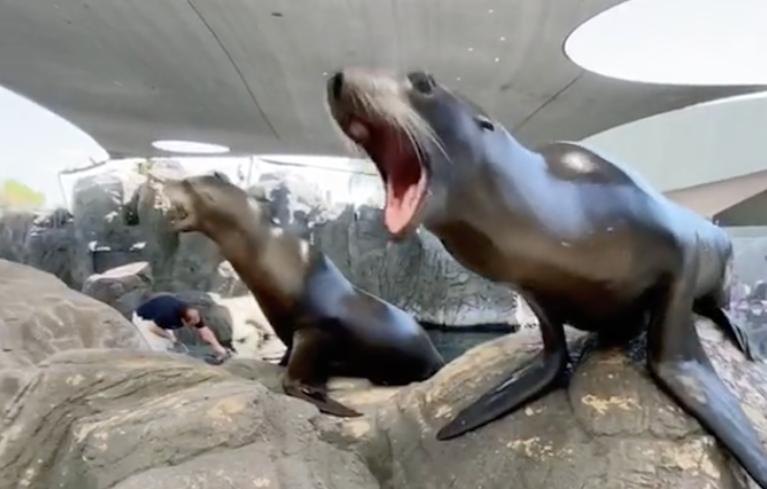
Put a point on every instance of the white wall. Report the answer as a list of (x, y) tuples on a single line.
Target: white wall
[(695, 145)]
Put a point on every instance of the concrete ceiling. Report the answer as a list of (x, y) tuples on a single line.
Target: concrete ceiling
[(249, 74)]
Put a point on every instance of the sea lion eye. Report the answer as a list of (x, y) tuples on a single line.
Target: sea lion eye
[(423, 82), (484, 123)]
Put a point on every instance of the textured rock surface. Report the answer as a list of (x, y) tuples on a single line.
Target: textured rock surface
[(51, 246), (40, 315), (612, 428), (14, 227), (107, 419), (97, 204), (416, 274), (43, 240), (122, 288), (120, 419)]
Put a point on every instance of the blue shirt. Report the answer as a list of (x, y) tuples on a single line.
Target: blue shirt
[(165, 310)]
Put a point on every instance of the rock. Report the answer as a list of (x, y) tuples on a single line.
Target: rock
[(294, 203), (103, 239), (14, 227), (227, 283), (179, 262), (44, 240), (104, 419), (51, 246), (98, 419), (40, 316), (252, 335), (123, 288), (416, 274), (612, 427)]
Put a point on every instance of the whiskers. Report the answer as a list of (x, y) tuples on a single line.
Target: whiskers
[(381, 99)]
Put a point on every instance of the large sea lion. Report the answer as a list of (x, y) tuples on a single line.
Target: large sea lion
[(330, 327), (583, 239)]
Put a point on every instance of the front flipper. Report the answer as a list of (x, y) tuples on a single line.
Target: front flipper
[(534, 380), (306, 375), (318, 396), (679, 365)]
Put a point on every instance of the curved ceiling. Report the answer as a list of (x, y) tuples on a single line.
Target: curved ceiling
[(249, 74), (684, 42)]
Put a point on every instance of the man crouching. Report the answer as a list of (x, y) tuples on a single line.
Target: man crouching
[(166, 314)]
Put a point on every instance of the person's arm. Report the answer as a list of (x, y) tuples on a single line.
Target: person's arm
[(165, 333), (208, 336)]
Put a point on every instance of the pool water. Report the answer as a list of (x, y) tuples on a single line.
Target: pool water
[(452, 344)]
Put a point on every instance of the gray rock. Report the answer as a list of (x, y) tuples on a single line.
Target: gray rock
[(40, 315), (100, 419), (123, 288), (103, 239), (179, 262), (44, 240), (110, 419), (612, 427), (14, 227), (51, 246)]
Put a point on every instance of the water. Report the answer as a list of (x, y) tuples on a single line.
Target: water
[(452, 344)]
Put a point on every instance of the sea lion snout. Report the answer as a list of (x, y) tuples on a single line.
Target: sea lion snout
[(335, 85)]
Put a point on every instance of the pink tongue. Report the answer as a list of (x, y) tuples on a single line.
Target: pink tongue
[(400, 208), (358, 131)]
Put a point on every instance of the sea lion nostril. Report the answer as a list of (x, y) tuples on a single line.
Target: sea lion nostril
[(336, 84)]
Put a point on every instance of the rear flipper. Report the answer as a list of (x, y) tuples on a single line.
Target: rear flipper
[(306, 374), (533, 381), (739, 336), (679, 365)]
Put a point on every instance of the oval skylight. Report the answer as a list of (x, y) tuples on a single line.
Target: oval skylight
[(679, 42), (189, 147)]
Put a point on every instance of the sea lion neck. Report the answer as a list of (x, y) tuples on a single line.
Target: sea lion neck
[(506, 184)]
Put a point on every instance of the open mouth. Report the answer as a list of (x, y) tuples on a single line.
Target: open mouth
[(176, 213), (403, 168)]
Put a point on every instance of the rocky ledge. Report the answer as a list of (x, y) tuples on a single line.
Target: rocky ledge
[(100, 413)]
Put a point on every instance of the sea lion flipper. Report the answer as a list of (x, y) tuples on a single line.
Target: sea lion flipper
[(318, 397), (307, 372), (737, 334), (678, 363), (531, 382)]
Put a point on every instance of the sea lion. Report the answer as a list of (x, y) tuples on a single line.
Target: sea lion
[(330, 327), (584, 240)]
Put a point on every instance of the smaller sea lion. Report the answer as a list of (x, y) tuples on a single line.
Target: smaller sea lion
[(330, 327)]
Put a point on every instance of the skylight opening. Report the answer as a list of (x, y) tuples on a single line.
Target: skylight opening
[(189, 147), (679, 42)]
